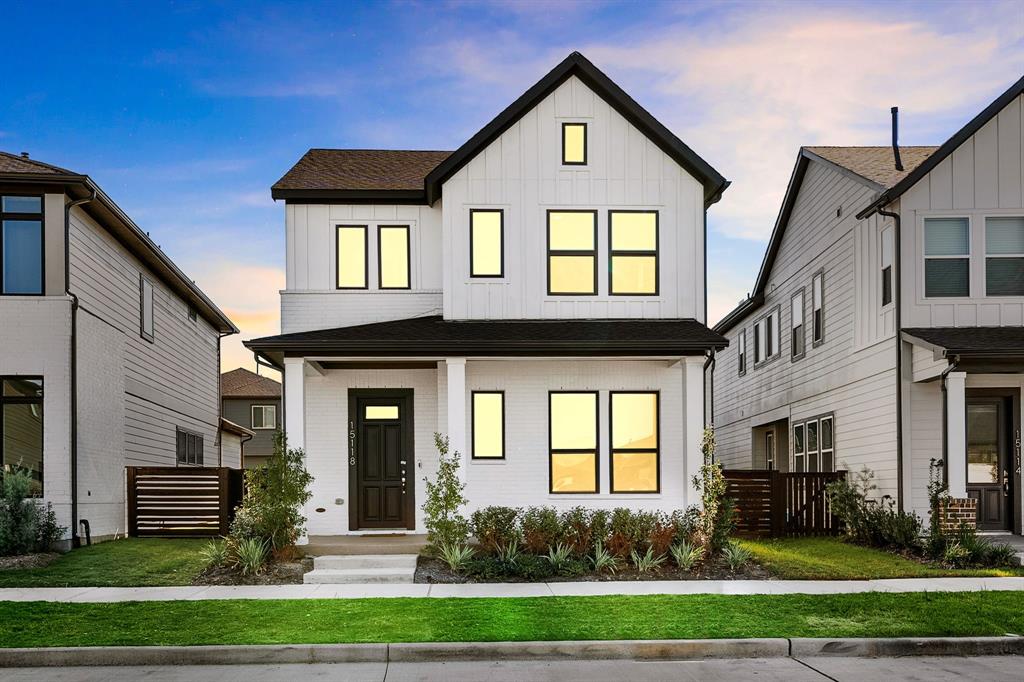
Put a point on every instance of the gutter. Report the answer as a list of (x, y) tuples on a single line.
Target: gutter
[(897, 300), (73, 361), (945, 418)]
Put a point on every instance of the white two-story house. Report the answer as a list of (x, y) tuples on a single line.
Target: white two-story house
[(109, 353), (537, 296), (885, 326)]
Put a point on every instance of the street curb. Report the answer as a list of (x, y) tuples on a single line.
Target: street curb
[(419, 652)]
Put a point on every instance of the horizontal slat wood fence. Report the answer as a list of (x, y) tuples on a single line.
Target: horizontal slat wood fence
[(777, 504), (182, 501)]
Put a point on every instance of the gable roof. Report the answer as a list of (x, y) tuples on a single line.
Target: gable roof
[(873, 167), (947, 148), (19, 170), (393, 174), (241, 383)]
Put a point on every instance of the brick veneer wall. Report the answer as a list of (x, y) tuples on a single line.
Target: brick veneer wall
[(957, 511)]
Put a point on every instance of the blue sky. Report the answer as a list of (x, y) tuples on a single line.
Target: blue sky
[(186, 113)]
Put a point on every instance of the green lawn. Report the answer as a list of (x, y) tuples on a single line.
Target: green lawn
[(121, 563), (180, 623), (833, 559)]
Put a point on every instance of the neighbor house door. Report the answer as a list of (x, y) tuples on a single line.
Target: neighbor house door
[(988, 459), (381, 459)]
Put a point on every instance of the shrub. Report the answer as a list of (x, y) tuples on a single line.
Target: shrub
[(686, 555), (638, 531), (509, 553), (495, 528), (578, 526), (275, 493), (559, 557), (685, 523), (542, 529), (662, 535), (250, 555), (716, 517), (871, 522), (214, 553), (456, 556), (603, 560), (965, 548), (648, 561), (444, 498), (735, 555), (26, 525), (955, 555)]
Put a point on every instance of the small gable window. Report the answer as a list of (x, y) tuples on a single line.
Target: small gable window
[(574, 144)]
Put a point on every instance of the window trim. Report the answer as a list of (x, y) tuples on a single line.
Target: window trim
[(611, 443), (776, 310), (41, 218), (656, 253), (886, 285), (501, 233), (366, 257), (12, 400), (969, 256), (586, 157), (803, 449), (143, 281), (987, 257), (408, 258), (815, 339), (742, 352), (769, 462), (472, 426), (793, 355), (806, 452), (573, 252), (252, 416), (596, 451), (200, 454)]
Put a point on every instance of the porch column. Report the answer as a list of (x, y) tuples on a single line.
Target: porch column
[(294, 402), (456, 370), (693, 422), (956, 433)]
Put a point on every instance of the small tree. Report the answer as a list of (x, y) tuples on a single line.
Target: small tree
[(26, 525), (446, 526), (715, 518)]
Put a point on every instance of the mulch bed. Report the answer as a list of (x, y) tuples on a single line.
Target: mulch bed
[(431, 570), (276, 573), (21, 561)]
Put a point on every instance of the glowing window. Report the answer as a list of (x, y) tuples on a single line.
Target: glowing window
[(381, 412), (572, 252), (352, 257), (486, 243), (572, 427), (633, 252), (393, 256), (574, 144), (634, 439), (488, 424)]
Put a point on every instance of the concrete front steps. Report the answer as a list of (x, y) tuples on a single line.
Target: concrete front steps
[(362, 569)]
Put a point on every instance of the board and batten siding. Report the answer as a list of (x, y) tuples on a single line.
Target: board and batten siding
[(311, 299), (982, 177), (851, 373), (521, 172)]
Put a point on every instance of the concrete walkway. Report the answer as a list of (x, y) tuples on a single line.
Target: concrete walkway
[(555, 589)]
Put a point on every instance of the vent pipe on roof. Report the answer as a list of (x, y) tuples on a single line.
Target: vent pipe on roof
[(896, 137), (24, 155)]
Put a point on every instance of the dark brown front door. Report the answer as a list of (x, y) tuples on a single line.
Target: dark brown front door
[(988, 459), (380, 459)]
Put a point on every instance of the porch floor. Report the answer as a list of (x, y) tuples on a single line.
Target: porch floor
[(332, 545)]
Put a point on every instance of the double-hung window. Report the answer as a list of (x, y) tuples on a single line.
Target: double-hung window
[(1004, 256), (488, 424), (796, 325), (766, 337), (818, 307), (21, 245), (633, 253), (189, 448), (741, 352), (393, 270), (21, 427), (264, 417), (814, 444), (352, 256), (887, 258), (486, 242), (947, 257), (574, 144), (572, 440), (146, 310), (572, 253), (634, 439)]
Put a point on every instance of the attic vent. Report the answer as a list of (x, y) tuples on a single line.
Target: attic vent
[(24, 155)]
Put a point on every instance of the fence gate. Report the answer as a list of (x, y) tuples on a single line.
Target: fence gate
[(182, 501), (776, 504)]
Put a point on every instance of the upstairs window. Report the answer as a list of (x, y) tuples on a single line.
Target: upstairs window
[(264, 417), (796, 325), (393, 257), (146, 321), (1004, 256), (189, 448), (21, 245), (572, 438), (634, 436), (741, 351), (572, 253), (766, 337), (352, 257), (488, 425), (887, 258), (633, 253), (574, 144), (947, 257), (818, 307), (21, 428), (486, 243)]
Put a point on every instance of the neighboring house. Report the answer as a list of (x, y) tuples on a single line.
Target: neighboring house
[(537, 296), (253, 401), (885, 326), (109, 354)]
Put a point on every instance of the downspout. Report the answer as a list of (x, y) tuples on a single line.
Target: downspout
[(73, 362), (945, 418), (220, 402), (710, 362), (897, 301), (241, 451)]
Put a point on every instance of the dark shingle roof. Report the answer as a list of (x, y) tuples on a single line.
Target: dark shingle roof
[(241, 383), (972, 341), (15, 163), (361, 169), (875, 163), (431, 336)]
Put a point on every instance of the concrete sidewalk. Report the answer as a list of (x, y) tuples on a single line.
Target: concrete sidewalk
[(554, 589)]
